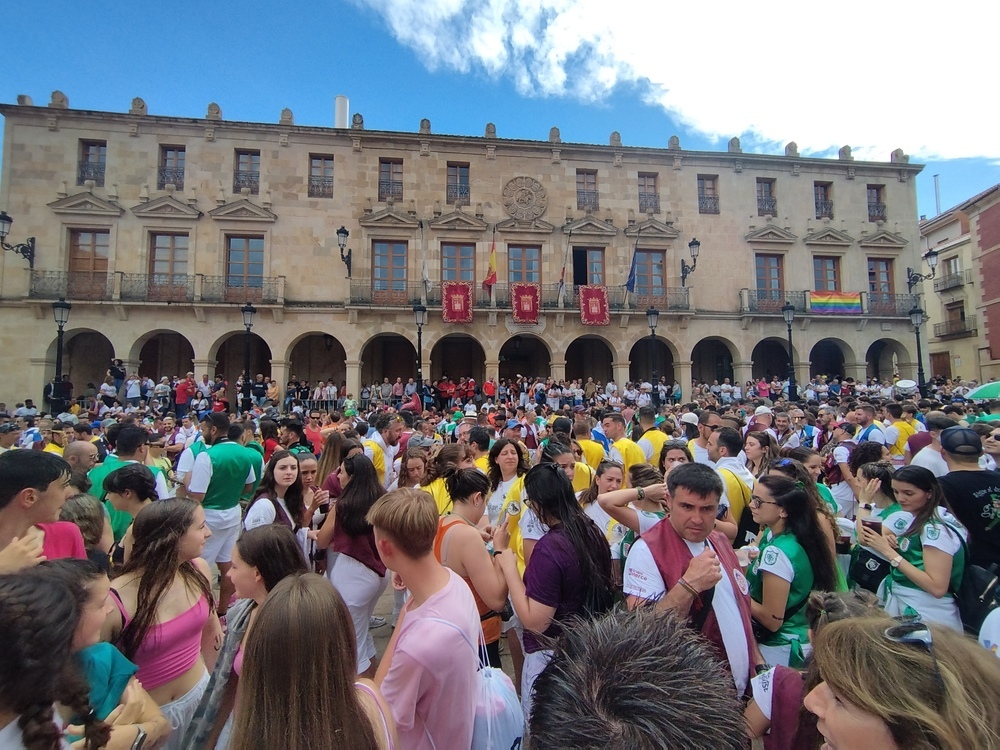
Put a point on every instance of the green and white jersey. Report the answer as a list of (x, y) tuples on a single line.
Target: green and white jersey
[(784, 557)]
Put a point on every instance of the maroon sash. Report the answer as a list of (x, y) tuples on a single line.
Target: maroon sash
[(786, 699), (672, 557)]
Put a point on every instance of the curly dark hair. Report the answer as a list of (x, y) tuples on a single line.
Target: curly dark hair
[(37, 622)]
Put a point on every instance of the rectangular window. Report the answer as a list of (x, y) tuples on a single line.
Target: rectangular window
[(320, 176), (244, 262), (823, 193), (770, 284), (390, 180), (876, 203), (649, 196), (649, 276), (458, 262), (168, 267), (586, 190), (171, 169), (524, 264), (767, 201), (90, 165), (708, 194), (950, 266), (389, 272), (595, 266), (458, 184), (88, 264), (246, 171), (826, 273), (880, 276)]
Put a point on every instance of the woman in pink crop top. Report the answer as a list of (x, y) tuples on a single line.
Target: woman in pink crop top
[(357, 572), (34, 486), (301, 644), (166, 622)]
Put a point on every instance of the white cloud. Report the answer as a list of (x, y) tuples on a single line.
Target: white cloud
[(874, 74)]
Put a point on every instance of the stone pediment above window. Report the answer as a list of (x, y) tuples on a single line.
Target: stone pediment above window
[(884, 239), (588, 226), (242, 210), (459, 220), (770, 234), (166, 207), (652, 229), (389, 218), (536, 226), (86, 204), (830, 237)]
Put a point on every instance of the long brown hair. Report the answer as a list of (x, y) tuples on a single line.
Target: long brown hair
[(297, 687), (294, 498), (156, 532)]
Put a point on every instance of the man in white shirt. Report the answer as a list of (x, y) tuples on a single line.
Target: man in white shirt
[(869, 428), (930, 456), (708, 422)]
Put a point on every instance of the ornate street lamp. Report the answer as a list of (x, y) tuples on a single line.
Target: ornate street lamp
[(788, 313), (694, 247), (248, 312)]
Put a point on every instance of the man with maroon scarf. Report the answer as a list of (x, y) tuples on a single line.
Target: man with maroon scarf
[(683, 564)]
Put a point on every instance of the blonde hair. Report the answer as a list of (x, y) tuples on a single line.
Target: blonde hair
[(897, 683), (409, 518)]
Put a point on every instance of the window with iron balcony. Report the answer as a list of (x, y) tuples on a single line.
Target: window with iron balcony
[(649, 196), (91, 163), (876, 203), (390, 180), (457, 193), (708, 194), (586, 190), (823, 193), (171, 169), (246, 172), (767, 202), (320, 176)]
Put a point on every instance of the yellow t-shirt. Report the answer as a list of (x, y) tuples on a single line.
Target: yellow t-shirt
[(483, 463), (378, 459), (593, 452), (583, 477), (737, 493), (439, 491), (656, 438), (630, 452), (511, 511), (53, 448)]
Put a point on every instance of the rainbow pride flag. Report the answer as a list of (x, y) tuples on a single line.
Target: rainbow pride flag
[(835, 303)]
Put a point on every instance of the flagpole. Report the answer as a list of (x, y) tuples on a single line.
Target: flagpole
[(562, 278), (493, 247), (424, 279)]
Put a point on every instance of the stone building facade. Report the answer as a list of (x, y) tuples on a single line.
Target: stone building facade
[(158, 229)]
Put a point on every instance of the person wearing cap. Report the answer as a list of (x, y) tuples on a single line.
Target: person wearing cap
[(972, 492), (930, 456), (761, 421), (10, 433)]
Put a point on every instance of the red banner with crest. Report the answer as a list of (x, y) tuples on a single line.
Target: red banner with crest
[(594, 305), (525, 301), (456, 301)]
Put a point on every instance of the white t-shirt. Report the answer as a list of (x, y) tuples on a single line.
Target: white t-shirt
[(989, 634), (932, 460), (642, 579), (700, 454), (495, 503), (872, 433), (162, 491), (777, 563), (262, 513), (613, 531), (531, 527)]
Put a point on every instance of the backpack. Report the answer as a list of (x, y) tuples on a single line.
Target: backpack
[(978, 594)]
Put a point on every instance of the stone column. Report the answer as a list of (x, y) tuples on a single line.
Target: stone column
[(801, 374), (354, 376), (43, 370), (620, 372), (682, 372), (202, 366), (493, 369), (558, 371), (743, 371), (856, 370), (279, 372)]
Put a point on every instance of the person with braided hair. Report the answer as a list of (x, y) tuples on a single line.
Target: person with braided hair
[(38, 621)]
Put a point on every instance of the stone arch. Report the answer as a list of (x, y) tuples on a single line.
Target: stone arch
[(457, 355), (590, 356), (525, 354), (388, 355), (770, 357), (316, 356), (86, 356), (664, 354), (712, 358), (828, 357), (162, 353), (886, 359), (227, 351)]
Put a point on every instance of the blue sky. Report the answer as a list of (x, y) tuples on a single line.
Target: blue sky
[(526, 65)]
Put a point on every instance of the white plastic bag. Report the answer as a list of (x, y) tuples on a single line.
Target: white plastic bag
[(499, 720)]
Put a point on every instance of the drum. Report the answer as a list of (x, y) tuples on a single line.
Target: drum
[(906, 388)]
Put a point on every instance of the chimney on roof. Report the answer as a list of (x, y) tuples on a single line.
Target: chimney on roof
[(341, 112)]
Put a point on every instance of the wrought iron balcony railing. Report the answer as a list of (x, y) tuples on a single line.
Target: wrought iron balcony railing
[(320, 187), (649, 203), (891, 305), (586, 200), (956, 328), (770, 301), (457, 195), (170, 176), (953, 280), (246, 178), (824, 209), (876, 212), (767, 206), (101, 286), (708, 204), (390, 189), (90, 170)]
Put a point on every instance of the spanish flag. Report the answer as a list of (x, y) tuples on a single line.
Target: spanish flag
[(491, 274)]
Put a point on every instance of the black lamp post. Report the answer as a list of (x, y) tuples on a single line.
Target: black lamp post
[(788, 313), (25, 249), (913, 278), (60, 311), (917, 318), (420, 318), (342, 235), (652, 318), (694, 247), (248, 311)]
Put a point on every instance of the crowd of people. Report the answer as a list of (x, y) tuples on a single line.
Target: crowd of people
[(795, 572)]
